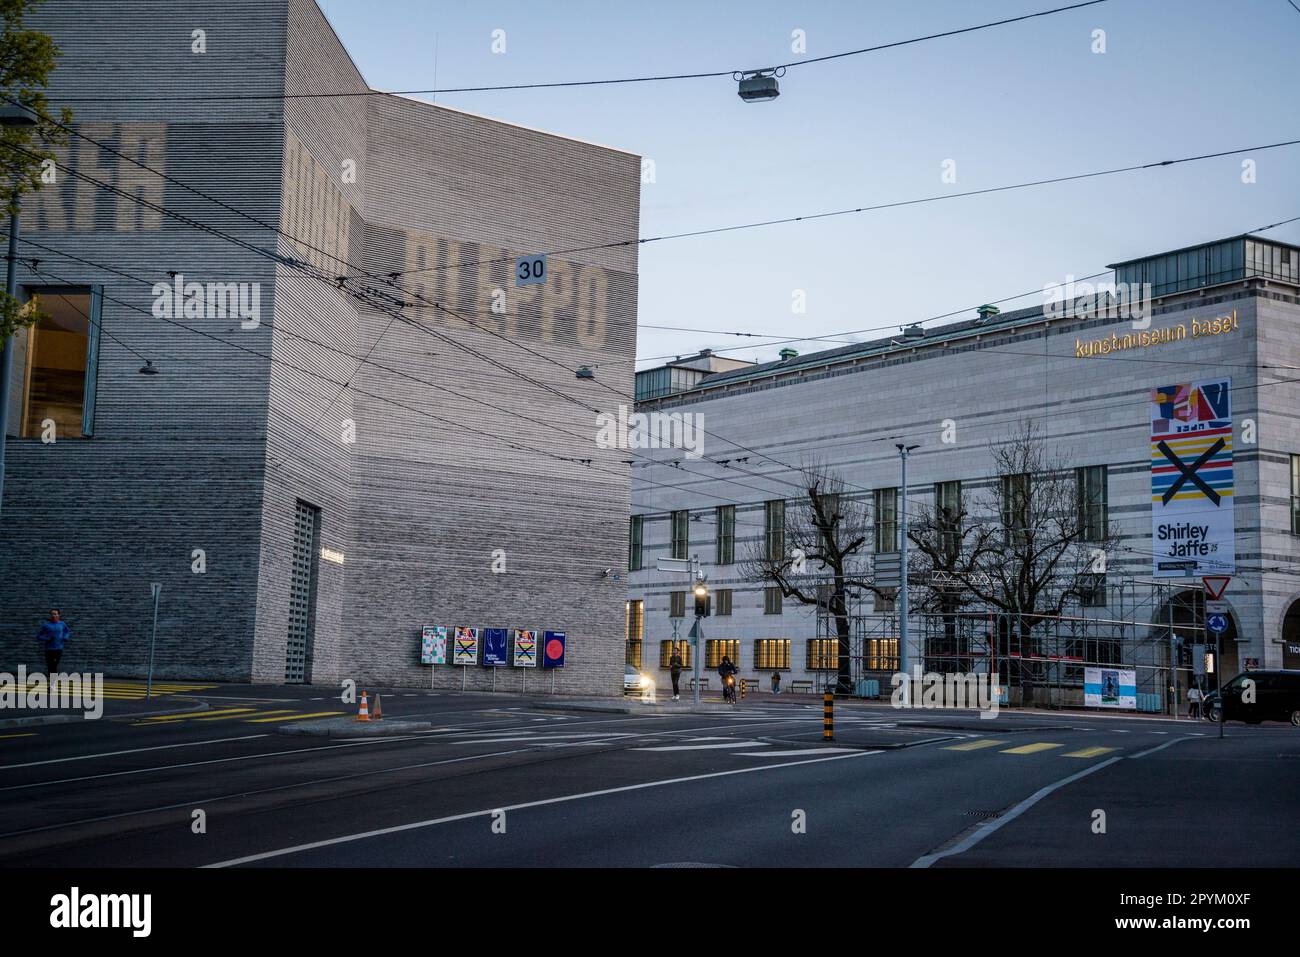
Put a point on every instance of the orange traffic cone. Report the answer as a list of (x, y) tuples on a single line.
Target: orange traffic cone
[(365, 709), (379, 711)]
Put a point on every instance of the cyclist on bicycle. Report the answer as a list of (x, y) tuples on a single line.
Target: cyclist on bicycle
[(726, 670)]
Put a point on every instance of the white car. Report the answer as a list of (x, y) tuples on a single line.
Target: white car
[(634, 682)]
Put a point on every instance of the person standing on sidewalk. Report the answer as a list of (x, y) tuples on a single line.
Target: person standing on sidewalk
[(1194, 702), (776, 682), (52, 636), (675, 669)]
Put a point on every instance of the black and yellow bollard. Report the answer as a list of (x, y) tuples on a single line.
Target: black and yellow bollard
[(828, 716), (744, 688)]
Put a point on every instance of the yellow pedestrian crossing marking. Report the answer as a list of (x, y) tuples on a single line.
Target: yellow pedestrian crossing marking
[(974, 745), (295, 717), (165, 718), (241, 713), (1032, 748), (1089, 752), (119, 690)]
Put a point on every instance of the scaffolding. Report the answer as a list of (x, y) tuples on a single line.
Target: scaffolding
[(1147, 626)]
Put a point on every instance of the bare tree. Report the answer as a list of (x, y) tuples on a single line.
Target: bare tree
[(823, 542), (1035, 546)]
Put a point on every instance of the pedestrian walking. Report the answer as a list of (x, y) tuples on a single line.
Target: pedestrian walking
[(53, 636), (776, 682), (675, 669)]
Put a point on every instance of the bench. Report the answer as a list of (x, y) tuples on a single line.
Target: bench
[(749, 684), (704, 684), (801, 687)]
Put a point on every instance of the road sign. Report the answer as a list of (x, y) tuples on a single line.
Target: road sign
[(530, 270), (1217, 623), (1215, 585), (889, 569), (673, 564)]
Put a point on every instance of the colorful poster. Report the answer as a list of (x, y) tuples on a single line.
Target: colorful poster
[(433, 645), (495, 649), (1109, 688), (1192, 526), (553, 649), (466, 649), (525, 648)]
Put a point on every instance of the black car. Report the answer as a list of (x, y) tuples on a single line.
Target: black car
[(1275, 697)]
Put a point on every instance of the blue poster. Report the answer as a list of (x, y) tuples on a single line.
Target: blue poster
[(495, 648), (553, 649)]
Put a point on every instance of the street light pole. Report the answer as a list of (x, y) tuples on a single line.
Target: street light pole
[(6, 352), (903, 451), (13, 114)]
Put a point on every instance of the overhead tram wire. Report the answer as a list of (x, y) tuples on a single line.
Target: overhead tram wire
[(514, 445), (391, 277), (713, 74), (344, 354), (559, 393), (281, 260)]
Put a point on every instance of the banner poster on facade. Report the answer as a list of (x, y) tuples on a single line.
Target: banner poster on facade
[(1109, 688), (495, 649), (433, 645), (1191, 479), (553, 649), (525, 648), (466, 649)]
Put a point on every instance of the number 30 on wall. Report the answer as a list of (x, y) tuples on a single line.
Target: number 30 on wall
[(530, 271)]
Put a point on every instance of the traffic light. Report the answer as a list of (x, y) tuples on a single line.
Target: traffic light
[(703, 600)]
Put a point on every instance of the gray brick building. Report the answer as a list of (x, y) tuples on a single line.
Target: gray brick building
[(1086, 380), (301, 529)]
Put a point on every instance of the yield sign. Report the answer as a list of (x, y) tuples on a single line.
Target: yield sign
[(1215, 585)]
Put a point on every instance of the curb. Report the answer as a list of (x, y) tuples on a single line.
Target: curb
[(351, 728)]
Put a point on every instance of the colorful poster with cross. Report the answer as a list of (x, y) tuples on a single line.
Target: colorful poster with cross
[(465, 651), (1192, 524), (525, 648), (433, 645)]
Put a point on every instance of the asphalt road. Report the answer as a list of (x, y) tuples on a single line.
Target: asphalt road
[(499, 782)]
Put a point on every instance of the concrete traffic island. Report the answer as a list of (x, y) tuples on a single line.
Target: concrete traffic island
[(350, 727)]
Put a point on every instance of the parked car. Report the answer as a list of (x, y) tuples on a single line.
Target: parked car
[(1276, 698), (634, 682)]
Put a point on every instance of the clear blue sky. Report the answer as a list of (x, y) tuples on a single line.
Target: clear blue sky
[(1018, 102)]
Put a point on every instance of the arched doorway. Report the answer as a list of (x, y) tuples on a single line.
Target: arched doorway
[(1188, 614), (1291, 636)]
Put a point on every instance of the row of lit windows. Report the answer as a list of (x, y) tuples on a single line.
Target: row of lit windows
[(770, 654)]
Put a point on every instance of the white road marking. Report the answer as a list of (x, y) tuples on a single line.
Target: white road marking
[(196, 764), (990, 827), (792, 754), (706, 747), (416, 825), (110, 754), (1158, 747)]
